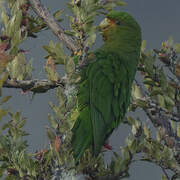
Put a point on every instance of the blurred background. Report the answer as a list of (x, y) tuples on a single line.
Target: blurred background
[(158, 20)]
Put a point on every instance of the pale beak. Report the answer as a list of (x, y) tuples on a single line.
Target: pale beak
[(104, 24)]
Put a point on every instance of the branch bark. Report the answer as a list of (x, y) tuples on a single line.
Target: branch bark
[(43, 12), (35, 86)]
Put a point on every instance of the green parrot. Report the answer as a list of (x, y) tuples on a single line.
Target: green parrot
[(105, 87)]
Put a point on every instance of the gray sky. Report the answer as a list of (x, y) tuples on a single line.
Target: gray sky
[(158, 19)]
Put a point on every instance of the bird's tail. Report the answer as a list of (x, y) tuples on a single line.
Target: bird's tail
[(82, 134)]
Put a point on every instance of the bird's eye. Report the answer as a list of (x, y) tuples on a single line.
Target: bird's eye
[(118, 23)]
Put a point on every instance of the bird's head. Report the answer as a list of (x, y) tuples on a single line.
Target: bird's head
[(118, 24)]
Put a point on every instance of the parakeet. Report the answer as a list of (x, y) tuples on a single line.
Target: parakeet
[(105, 88)]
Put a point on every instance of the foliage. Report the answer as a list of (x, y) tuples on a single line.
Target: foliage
[(157, 96)]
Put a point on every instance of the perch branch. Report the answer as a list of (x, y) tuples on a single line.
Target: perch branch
[(43, 12), (36, 86)]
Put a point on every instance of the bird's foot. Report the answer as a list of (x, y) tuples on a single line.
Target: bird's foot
[(107, 146)]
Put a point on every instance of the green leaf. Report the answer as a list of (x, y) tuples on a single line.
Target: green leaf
[(4, 18), (16, 116), (5, 99), (70, 66), (11, 177), (156, 92), (158, 136), (1, 171), (136, 92), (141, 103), (60, 55), (21, 123), (134, 130), (143, 46), (178, 130), (3, 78), (28, 71), (6, 126), (61, 97), (150, 82), (132, 145), (120, 3), (170, 41), (55, 50), (3, 112), (170, 91), (18, 20), (163, 177), (50, 134), (177, 47), (131, 120), (70, 6), (53, 122), (109, 6), (169, 101), (51, 74), (161, 100), (70, 33), (17, 67), (146, 132), (91, 38), (47, 48), (162, 78), (58, 13)]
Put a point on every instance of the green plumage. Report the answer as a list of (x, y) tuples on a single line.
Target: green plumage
[(104, 93)]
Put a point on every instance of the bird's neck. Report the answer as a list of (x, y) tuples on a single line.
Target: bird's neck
[(125, 43)]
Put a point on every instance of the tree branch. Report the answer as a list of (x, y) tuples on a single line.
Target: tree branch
[(159, 118), (43, 12), (36, 86), (161, 122), (165, 173)]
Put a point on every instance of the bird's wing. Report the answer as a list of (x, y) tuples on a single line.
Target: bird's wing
[(108, 95)]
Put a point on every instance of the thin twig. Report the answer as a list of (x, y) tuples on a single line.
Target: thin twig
[(43, 12), (165, 173), (143, 90)]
